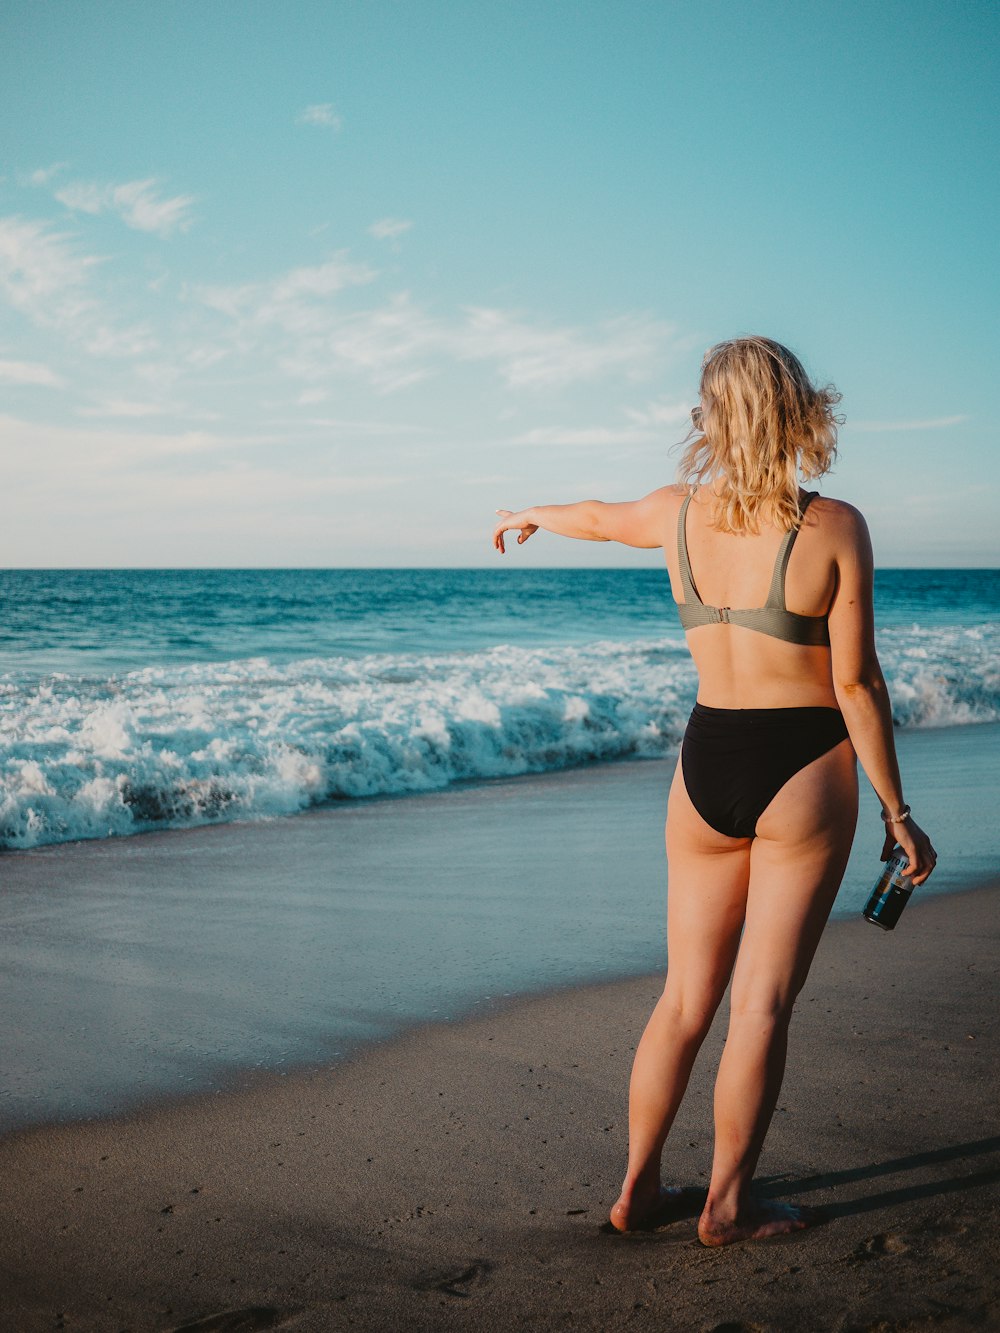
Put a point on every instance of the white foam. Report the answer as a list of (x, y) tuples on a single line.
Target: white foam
[(173, 747)]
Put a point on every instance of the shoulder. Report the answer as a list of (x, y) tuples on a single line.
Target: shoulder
[(837, 516), (844, 527), (672, 496), (665, 499)]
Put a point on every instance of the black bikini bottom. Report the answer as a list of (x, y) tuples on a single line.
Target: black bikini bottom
[(736, 760)]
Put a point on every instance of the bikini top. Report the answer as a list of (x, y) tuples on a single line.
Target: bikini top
[(772, 618)]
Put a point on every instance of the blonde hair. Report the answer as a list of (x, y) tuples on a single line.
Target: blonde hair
[(761, 423)]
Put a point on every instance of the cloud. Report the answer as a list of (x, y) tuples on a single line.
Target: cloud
[(290, 316), (347, 426), (79, 452), (320, 113), (29, 372), (38, 265), (388, 229), (926, 423), (137, 203), (286, 300), (45, 277), (660, 413), (117, 474), (530, 355), (85, 198), (584, 435), (120, 407), (397, 343), (321, 279), (43, 175), (380, 345)]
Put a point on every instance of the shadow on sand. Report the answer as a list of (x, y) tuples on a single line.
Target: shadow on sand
[(779, 1186), (689, 1204)]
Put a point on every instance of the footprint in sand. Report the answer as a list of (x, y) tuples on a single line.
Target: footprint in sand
[(457, 1284), (239, 1321), (877, 1247)]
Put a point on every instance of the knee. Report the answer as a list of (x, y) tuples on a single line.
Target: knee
[(690, 1013), (768, 1013)]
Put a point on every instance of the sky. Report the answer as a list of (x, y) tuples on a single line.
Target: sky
[(326, 284)]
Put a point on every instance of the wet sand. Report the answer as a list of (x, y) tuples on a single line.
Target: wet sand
[(135, 968), (460, 1176)]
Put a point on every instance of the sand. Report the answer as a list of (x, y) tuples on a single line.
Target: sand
[(460, 1176)]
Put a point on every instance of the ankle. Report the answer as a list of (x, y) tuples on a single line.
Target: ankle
[(726, 1204), (644, 1182)]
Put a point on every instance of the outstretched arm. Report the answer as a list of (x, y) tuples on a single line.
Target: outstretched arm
[(635, 523)]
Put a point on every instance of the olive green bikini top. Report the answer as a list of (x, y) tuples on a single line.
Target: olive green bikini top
[(772, 618)]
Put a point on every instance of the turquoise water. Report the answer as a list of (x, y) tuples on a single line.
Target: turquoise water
[(104, 621)]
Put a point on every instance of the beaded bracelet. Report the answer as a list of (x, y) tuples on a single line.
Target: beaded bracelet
[(903, 815)]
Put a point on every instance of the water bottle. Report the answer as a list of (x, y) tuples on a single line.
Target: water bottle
[(891, 892)]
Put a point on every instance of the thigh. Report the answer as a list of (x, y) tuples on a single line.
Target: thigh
[(796, 866), (708, 878)]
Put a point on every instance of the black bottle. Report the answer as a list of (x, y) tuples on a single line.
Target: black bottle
[(891, 892)]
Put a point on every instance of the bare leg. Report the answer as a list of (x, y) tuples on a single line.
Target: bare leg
[(796, 867), (705, 907)]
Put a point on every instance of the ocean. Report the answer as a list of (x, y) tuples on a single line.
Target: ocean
[(134, 700), (294, 710)]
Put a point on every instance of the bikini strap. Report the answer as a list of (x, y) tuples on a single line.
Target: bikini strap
[(776, 593), (687, 582)]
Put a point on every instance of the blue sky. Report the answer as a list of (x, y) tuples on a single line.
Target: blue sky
[(328, 283)]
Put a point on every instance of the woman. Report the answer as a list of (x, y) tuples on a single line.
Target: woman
[(764, 801)]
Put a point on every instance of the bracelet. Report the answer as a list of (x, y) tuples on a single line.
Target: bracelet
[(901, 818)]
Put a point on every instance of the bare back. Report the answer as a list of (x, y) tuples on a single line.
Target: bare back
[(740, 667)]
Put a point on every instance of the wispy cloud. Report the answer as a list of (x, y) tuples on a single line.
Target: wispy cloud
[(297, 302), (389, 229), (169, 478), (45, 277), (39, 267), (352, 426), (137, 203), (43, 175), (660, 413), (322, 114), (920, 423), (382, 345), (532, 355), (29, 372), (604, 436), (120, 407), (265, 301), (79, 451), (396, 342)]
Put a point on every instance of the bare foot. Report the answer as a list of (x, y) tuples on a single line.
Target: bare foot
[(638, 1209), (760, 1220)]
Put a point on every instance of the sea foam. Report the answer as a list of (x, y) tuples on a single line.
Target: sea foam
[(173, 747)]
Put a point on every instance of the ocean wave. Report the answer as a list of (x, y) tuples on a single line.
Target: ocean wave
[(179, 746)]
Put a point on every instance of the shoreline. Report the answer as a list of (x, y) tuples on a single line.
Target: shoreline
[(199, 958), (460, 1174), (242, 1081)]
